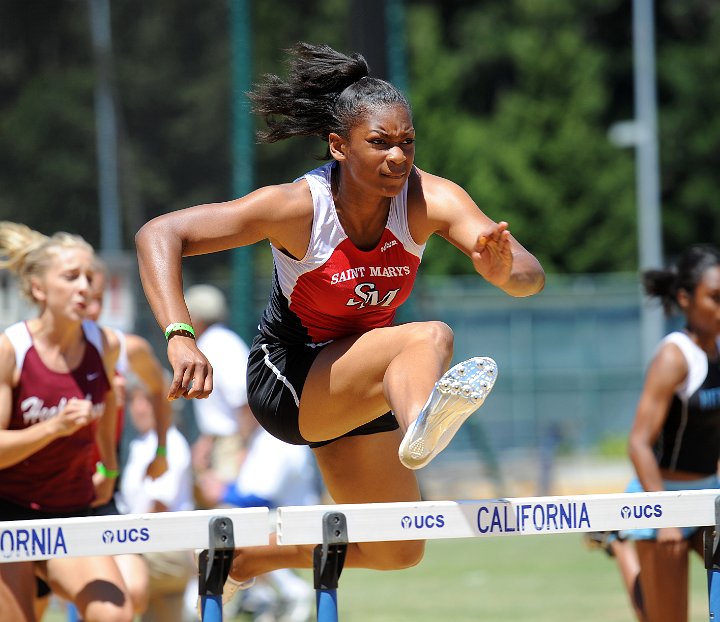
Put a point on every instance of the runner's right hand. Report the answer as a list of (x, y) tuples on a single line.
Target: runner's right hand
[(76, 414), (192, 372)]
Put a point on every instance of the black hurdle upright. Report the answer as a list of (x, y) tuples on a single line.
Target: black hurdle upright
[(214, 566), (328, 561)]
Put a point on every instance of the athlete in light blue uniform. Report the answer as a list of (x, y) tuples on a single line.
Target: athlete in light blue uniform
[(675, 439)]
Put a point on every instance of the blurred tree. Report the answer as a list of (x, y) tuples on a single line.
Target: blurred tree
[(688, 68), (511, 102), (512, 99), (47, 127)]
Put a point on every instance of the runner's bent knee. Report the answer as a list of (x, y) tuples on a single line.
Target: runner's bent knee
[(393, 555), (98, 611), (438, 335)]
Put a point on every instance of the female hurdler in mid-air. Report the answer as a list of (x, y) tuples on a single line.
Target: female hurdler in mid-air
[(329, 368)]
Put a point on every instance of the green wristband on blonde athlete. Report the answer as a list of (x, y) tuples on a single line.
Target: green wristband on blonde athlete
[(179, 328), (105, 472), (161, 451)]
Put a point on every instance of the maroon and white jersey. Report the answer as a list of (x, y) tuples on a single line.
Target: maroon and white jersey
[(336, 289), (58, 477)]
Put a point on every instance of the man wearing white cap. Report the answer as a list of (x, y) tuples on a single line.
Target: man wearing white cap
[(219, 417)]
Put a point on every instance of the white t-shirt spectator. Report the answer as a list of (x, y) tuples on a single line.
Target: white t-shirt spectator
[(276, 472), (228, 355), (174, 488)]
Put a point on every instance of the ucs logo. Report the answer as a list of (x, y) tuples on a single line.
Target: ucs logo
[(126, 535), (641, 511), (427, 520)]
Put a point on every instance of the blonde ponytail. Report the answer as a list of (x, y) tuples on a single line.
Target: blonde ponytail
[(29, 253)]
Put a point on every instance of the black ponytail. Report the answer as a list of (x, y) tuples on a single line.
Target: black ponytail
[(684, 275), (326, 91)]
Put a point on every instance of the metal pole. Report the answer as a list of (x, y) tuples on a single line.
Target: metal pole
[(646, 158), (369, 34), (396, 44), (106, 130), (241, 295)]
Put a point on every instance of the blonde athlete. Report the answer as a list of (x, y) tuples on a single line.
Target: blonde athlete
[(56, 403)]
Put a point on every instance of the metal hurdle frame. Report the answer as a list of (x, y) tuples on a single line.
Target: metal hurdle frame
[(332, 527)]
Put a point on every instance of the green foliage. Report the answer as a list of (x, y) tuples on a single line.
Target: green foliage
[(515, 116), (689, 125), (46, 122), (613, 447), (548, 578), (512, 99)]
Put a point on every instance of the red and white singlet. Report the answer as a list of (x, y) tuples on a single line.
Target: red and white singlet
[(336, 289)]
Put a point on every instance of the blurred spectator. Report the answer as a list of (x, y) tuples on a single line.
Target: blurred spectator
[(56, 405), (273, 474), (136, 355), (171, 492), (218, 417)]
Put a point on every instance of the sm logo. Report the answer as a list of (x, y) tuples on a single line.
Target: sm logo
[(368, 295)]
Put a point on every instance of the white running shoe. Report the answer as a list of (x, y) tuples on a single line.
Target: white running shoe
[(458, 394), (230, 588)]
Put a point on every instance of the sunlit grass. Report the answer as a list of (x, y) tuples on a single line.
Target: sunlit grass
[(549, 578), (539, 578)]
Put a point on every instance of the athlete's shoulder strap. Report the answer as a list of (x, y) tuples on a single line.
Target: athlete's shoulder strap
[(697, 362), (398, 222), (21, 341), (94, 335)]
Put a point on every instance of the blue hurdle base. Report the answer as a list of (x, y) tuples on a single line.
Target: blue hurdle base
[(711, 542), (211, 609), (326, 601)]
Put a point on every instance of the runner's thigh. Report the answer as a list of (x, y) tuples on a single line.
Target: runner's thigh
[(366, 469), (346, 379)]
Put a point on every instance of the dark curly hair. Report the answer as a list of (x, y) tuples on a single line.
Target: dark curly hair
[(325, 91), (684, 275)]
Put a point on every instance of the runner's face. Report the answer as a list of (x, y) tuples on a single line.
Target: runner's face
[(381, 149), (65, 288), (97, 291), (141, 411), (703, 311)]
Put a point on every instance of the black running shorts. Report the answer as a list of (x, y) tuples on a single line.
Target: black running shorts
[(275, 378)]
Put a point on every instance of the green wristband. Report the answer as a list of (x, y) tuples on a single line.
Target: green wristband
[(105, 472), (161, 451), (179, 328)]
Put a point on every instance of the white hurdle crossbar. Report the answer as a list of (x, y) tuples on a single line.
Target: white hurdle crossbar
[(336, 525), (332, 527), (369, 522), (130, 533), (430, 520)]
